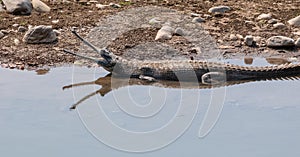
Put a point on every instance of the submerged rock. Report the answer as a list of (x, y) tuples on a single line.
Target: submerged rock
[(40, 34), (280, 41), (18, 7)]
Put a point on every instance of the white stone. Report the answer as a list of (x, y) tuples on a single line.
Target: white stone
[(219, 9), (16, 41), (165, 33), (195, 15), (55, 21), (280, 41), (264, 17), (279, 25), (101, 6), (18, 7), (295, 21), (249, 40), (233, 37), (114, 5), (40, 34), (297, 43), (15, 25), (40, 6)]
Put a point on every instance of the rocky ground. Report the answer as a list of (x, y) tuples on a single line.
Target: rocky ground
[(242, 28)]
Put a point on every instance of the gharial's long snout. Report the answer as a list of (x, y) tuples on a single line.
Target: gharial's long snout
[(105, 60)]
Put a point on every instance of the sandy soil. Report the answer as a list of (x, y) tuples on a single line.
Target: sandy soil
[(86, 16)]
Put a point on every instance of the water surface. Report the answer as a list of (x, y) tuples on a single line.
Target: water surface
[(258, 118)]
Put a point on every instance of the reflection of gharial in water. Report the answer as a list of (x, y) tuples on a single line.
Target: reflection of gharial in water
[(109, 83), (185, 70)]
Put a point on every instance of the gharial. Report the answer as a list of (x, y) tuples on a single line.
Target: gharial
[(185, 70)]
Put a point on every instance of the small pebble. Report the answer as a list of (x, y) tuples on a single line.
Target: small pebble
[(114, 5), (195, 15), (272, 21), (219, 9), (249, 40), (198, 20), (16, 41), (101, 6), (233, 37), (179, 31), (264, 17), (22, 29), (165, 33), (15, 25), (279, 26), (55, 21)]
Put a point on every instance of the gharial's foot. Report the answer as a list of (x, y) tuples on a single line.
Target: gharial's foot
[(213, 78), (147, 78)]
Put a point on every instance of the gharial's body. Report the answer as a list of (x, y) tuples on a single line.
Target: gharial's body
[(187, 70)]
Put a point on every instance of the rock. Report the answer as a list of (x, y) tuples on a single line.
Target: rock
[(279, 26), (264, 17), (249, 40), (55, 21), (101, 6), (272, 21), (297, 43), (18, 7), (154, 21), (295, 21), (165, 33), (179, 31), (22, 29), (195, 15), (16, 41), (1, 35), (198, 20), (114, 5), (240, 37), (57, 32), (233, 37), (280, 41), (40, 6), (15, 25), (248, 60), (219, 9), (40, 34), (5, 31)]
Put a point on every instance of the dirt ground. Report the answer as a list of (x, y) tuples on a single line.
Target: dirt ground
[(85, 16)]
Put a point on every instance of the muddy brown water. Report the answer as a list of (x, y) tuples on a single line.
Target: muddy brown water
[(256, 119)]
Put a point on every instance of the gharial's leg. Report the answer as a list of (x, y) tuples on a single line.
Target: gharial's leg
[(213, 78)]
